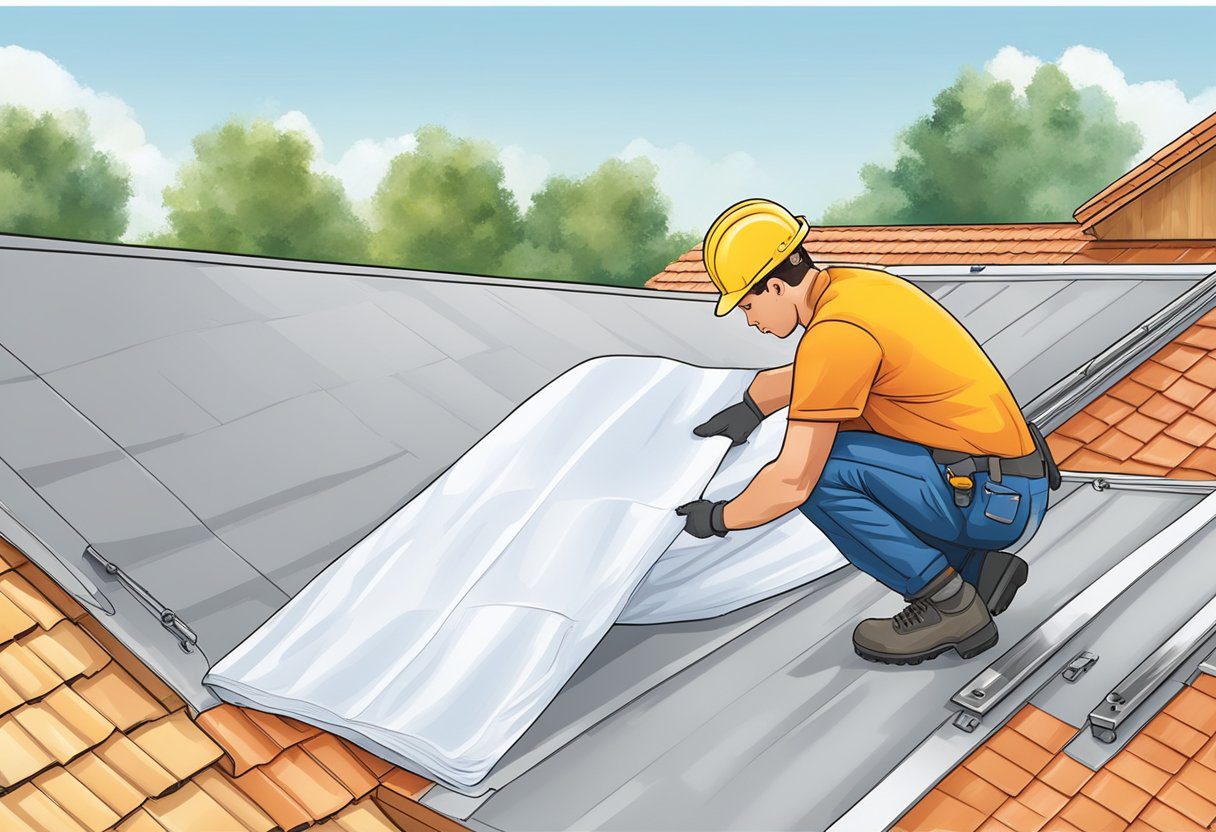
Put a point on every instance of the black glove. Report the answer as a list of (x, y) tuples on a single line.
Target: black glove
[(703, 518), (736, 421)]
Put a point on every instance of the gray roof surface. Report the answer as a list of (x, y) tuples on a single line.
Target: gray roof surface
[(223, 427), (784, 726)]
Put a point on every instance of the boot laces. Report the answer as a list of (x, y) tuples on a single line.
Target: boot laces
[(912, 615)]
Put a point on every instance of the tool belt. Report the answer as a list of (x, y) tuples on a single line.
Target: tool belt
[(1037, 463)]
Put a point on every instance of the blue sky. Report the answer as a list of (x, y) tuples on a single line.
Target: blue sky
[(786, 102)]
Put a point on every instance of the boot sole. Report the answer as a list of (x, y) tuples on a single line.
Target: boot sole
[(968, 648), (1001, 576)]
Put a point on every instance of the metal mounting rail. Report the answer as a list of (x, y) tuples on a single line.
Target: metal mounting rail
[(999, 679), (1139, 482), (186, 637), (1104, 720), (1052, 403)]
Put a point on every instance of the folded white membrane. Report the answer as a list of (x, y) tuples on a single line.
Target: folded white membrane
[(441, 636)]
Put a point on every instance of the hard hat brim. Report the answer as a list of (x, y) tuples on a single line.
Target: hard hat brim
[(729, 300)]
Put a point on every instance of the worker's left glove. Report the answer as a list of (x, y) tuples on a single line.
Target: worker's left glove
[(703, 518)]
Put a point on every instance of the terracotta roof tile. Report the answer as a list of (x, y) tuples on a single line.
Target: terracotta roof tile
[(25, 672), (77, 799), (307, 783), (363, 816), (1042, 799), (1184, 800), (997, 770), (22, 593), (190, 809), (286, 812), (1191, 430), (1138, 771), (118, 697), (1089, 816), (1062, 446), (20, 756), (1164, 451), (283, 731), (1113, 792), (1019, 817), (245, 745), (1176, 734), (1179, 356), (13, 620), (374, 764), (938, 810), (1165, 818), (68, 650), (1043, 728), (135, 766), (1019, 750), (39, 811), (1108, 409), (148, 680), (177, 744), (405, 783), (1200, 336), (109, 786), (972, 790), (341, 764), (83, 718), (1156, 753), (9, 698), (1083, 427), (235, 802), (1195, 708), (140, 821), (1065, 775), (1116, 444)]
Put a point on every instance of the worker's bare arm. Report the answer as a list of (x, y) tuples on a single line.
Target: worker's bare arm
[(770, 390), (787, 481)]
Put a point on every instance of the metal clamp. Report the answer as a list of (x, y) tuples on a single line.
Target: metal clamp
[(1079, 666), (187, 639)]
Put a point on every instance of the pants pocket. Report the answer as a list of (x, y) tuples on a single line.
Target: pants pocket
[(1000, 502)]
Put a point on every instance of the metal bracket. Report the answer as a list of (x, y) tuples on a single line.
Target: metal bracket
[(187, 639), (1079, 666), (967, 721)]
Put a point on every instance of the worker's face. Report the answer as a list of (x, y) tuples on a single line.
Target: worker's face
[(773, 312)]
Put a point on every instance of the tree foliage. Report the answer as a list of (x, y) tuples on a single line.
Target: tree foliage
[(609, 227), (251, 189), (986, 154), (53, 183), (444, 206)]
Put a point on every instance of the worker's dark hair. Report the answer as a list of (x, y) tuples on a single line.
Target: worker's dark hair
[(789, 273)]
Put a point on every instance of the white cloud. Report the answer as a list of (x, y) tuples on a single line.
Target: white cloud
[(700, 187), (523, 173), (364, 163), (31, 79), (1160, 109)]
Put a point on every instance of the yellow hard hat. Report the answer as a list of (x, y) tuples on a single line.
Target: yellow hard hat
[(747, 241)]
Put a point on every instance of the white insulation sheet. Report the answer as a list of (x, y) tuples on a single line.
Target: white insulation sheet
[(442, 635)]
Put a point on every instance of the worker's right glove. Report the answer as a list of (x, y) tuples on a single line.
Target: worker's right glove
[(703, 518), (736, 422)]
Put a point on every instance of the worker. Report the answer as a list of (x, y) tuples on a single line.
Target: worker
[(903, 443)]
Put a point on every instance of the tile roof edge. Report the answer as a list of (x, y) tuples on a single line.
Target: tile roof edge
[(1104, 203)]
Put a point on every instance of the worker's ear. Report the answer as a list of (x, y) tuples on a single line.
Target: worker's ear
[(777, 287)]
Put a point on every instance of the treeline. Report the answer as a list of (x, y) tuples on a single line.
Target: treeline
[(251, 188)]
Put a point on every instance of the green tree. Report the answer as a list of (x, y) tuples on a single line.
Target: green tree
[(609, 227), (251, 189), (53, 183), (987, 155), (444, 206)]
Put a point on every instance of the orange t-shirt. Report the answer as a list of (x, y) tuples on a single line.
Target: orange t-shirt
[(881, 354)]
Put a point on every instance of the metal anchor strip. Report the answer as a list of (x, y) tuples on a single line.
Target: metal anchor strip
[(186, 637)]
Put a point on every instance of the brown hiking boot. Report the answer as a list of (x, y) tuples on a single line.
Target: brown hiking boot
[(948, 613)]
